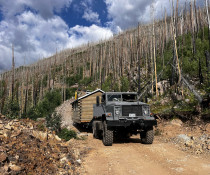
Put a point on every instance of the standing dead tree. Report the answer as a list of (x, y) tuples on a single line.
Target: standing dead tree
[(13, 72)]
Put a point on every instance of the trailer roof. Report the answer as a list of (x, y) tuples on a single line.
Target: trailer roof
[(91, 93)]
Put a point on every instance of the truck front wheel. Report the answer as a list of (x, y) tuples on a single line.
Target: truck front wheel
[(107, 135), (147, 136)]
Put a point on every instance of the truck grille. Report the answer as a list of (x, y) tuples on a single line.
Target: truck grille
[(135, 109)]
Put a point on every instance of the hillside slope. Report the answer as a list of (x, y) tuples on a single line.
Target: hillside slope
[(150, 59)]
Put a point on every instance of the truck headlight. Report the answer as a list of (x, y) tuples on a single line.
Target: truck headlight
[(145, 111), (117, 112)]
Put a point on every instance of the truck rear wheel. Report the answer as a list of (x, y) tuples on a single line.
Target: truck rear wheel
[(107, 135), (147, 136)]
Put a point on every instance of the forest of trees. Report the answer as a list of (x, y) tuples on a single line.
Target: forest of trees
[(175, 48)]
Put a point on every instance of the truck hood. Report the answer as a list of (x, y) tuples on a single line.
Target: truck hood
[(125, 103)]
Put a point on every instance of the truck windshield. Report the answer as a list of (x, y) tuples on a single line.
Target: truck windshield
[(129, 97), (114, 97)]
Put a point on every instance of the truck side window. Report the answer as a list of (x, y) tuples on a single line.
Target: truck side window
[(103, 99)]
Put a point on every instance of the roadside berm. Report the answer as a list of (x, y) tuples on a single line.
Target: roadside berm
[(26, 147)]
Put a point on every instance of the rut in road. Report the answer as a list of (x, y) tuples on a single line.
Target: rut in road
[(135, 158)]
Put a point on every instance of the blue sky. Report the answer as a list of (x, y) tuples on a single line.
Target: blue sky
[(74, 14), (37, 28)]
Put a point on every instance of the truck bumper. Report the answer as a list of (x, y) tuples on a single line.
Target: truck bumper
[(128, 123)]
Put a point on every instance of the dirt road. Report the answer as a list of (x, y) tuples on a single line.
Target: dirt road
[(132, 157)]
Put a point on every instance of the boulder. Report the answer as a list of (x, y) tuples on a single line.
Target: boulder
[(8, 127), (15, 134), (3, 157), (79, 161), (187, 100), (176, 122), (15, 120), (15, 167), (57, 138), (189, 143), (6, 168), (30, 126), (1, 126), (198, 151), (39, 135), (207, 128), (183, 138)]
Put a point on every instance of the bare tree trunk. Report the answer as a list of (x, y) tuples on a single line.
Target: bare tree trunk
[(49, 76), (154, 52), (4, 95), (208, 67), (207, 11), (26, 93), (13, 72)]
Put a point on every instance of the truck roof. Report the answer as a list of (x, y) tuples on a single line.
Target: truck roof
[(135, 93)]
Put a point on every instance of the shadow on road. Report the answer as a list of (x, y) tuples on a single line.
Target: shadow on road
[(83, 128), (126, 140)]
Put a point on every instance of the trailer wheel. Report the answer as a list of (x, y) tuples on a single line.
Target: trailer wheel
[(95, 131), (107, 135), (147, 136)]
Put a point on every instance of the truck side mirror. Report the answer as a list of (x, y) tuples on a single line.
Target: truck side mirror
[(97, 101)]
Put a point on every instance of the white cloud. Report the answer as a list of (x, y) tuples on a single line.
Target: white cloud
[(45, 8), (128, 13), (82, 34), (34, 37), (91, 16)]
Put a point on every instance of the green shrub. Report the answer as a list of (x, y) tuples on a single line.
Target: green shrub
[(67, 134), (70, 92), (86, 81), (44, 81), (54, 122), (33, 113), (41, 127), (124, 84), (11, 109), (106, 86), (46, 107), (116, 87)]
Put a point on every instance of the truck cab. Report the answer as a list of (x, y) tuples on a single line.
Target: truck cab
[(121, 113)]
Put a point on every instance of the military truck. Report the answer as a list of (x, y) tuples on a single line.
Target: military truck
[(121, 114)]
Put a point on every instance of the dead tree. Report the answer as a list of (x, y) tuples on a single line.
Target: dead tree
[(13, 72)]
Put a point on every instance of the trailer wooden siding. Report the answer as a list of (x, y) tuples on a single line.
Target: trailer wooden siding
[(83, 107)]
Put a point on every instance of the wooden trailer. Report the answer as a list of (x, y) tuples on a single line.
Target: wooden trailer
[(82, 108)]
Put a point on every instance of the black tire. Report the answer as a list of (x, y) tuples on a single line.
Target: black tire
[(107, 135), (147, 136)]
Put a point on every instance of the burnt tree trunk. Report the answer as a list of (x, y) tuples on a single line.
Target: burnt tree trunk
[(208, 67)]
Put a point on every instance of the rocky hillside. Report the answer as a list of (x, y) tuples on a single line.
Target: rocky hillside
[(186, 136), (27, 147)]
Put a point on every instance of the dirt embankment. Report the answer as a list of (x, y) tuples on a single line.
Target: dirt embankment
[(27, 147)]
